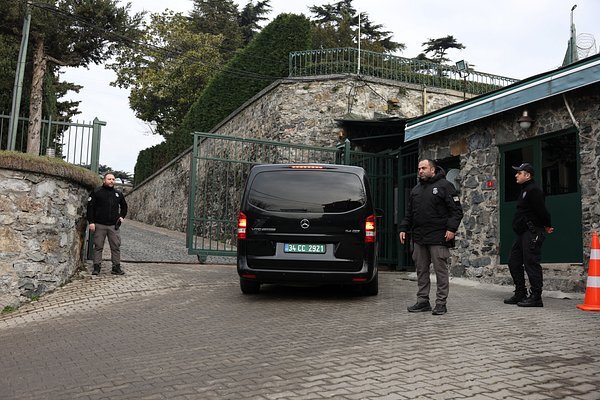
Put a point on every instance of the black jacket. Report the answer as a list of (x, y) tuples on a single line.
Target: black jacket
[(530, 208), (105, 206), (433, 208)]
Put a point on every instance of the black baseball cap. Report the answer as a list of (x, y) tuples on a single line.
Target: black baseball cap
[(525, 167)]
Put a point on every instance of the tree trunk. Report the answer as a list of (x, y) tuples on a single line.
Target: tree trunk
[(35, 102)]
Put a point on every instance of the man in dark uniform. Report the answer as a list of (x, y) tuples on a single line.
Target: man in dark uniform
[(432, 217), (106, 210), (530, 223)]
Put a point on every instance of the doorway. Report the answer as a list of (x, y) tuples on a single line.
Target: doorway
[(556, 163)]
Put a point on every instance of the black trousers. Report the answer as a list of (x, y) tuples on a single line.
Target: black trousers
[(525, 258)]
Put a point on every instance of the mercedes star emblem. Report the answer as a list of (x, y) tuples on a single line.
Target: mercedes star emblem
[(304, 224)]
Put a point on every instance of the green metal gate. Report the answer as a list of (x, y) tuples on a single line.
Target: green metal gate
[(218, 172)]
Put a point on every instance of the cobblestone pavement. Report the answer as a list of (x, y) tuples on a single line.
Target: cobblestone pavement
[(181, 330)]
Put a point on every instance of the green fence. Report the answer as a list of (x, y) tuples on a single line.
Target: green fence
[(75, 142), (219, 168), (380, 168), (386, 66)]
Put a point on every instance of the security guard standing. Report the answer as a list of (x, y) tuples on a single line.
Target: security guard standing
[(432, 218), (106, 209), (531, 222)]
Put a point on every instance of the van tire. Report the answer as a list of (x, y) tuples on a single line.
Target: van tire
[(249, 287), (371, 288)]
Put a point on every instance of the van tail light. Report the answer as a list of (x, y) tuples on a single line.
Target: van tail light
[(241, 229), (370, 229)]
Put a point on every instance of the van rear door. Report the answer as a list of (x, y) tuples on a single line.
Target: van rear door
[(306, 219)]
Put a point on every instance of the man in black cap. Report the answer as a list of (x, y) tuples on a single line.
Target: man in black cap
[(530, 223)]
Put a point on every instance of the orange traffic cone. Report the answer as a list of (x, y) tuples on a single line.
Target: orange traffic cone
[(592, 291)]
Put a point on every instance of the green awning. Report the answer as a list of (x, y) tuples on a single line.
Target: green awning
[(573, 76)]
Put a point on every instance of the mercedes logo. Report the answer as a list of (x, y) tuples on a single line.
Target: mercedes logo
[(304, 224)]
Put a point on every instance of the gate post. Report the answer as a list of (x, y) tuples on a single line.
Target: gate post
[(96, 134), (94, 164), (347, 151), (191, 199)]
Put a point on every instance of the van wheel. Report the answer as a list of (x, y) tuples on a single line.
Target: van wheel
[(372, 288), (249, 287)]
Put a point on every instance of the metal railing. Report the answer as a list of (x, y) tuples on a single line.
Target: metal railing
[(386, 66), (75, 142)]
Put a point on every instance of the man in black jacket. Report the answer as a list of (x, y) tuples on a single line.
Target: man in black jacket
[(531, 221), (106, 210), (432, 217)]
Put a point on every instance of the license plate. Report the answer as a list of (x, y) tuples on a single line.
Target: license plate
[(303, 248)]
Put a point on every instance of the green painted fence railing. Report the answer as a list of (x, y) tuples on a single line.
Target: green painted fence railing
[(75, 142), (386, 66)]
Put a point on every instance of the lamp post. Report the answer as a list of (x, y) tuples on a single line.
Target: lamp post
[(573, 44), (18, 87), (358, 64)]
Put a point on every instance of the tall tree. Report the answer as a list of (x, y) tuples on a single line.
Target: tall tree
[(247, 73), (9, 51), (66, 33), (167, 69), (218, 17), (244, 76), (250, 17), (439, 47), (337, 25)]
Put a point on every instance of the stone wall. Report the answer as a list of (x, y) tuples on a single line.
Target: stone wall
[(162, 199), (42, 232), (301, 111), (477, 252)]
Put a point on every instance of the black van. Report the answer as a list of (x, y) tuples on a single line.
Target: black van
[(307, 224)]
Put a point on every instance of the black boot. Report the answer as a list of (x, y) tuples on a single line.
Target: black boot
[(96, 270), (520, 295), (534, 300), (116, 270)]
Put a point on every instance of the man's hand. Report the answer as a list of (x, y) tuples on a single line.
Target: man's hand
[(402, 237), (92, 227), (449, 236), (549, 229)]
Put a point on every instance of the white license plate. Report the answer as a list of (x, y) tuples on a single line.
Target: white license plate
[(303, 248)]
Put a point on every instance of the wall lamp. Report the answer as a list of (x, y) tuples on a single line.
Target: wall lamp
[(525, 120)]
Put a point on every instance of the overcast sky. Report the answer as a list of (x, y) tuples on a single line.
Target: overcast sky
[(514, 38)]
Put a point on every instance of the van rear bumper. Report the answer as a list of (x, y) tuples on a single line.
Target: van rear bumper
[(286, 276)]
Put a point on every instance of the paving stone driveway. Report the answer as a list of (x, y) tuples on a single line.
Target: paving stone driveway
[(181, 330)]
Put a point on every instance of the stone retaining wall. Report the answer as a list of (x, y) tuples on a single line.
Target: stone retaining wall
[(300, 111), (42, 232)]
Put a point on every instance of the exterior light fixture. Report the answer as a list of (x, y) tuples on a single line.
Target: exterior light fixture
[(525, 120), (462, 66)]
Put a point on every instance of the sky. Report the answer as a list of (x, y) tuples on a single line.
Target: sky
[(513, 38)]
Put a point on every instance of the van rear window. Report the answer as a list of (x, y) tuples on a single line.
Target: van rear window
[(315, 191)]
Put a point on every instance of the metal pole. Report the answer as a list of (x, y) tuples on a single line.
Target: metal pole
[(574, 56), (358, 65), (18, 87)]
